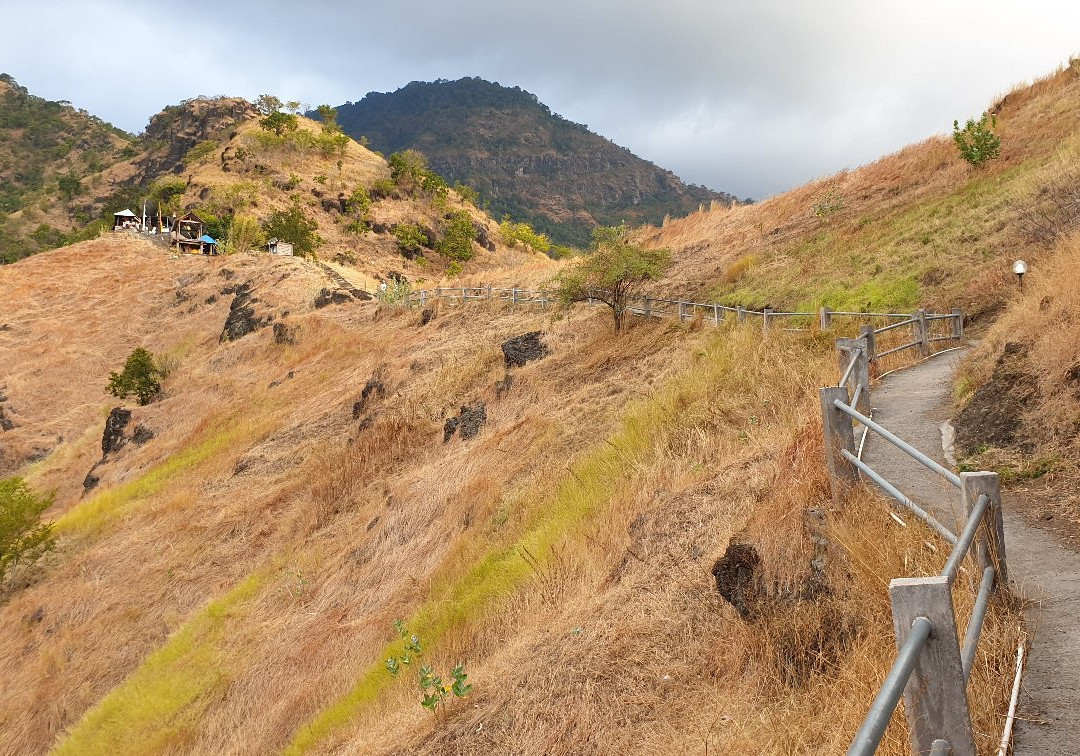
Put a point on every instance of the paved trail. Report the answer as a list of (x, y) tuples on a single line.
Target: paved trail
[(913, 403)]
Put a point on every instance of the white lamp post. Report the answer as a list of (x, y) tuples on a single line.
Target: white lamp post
[(1020, 268)]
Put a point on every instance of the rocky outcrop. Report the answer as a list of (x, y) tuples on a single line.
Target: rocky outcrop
[(241, 319), (468, 422), (176, 129), (112, 439), (522, 349)]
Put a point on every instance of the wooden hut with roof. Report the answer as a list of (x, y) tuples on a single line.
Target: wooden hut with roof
[(125, 219), (188, 233)]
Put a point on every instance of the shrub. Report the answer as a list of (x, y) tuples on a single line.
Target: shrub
[(977, 141), (454, 269), (244, 234), (199, 151), (382, 188), (23, 539), (467, 193), (513, 234), (457, 242), (409, 237), (70, 186), (294, 226), (139, 377), (434, 692), (612, 273), (280, 123), (359, 203)]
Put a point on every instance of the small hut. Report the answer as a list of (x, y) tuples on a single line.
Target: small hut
[(279, 247), (209, 245), (125, 219), (188, 234)]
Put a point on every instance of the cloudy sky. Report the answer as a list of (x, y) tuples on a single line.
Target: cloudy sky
[(750, 97)]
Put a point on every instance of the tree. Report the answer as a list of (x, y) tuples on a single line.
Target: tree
[(23, 539), (410, 238), (280, 123), (294, 226), (293, 106), (139, 377), (612, 273), (977, 141), (244, 234), (328, 116), (457, 242), (267, 104)]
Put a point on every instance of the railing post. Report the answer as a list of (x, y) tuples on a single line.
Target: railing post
[(922, 334), (958, 324), (866, 333), (438, 292), (838, 433), (826, 318), (765, 319), (513, 296), (715, 314), (646, 308), (680, 310), (861, 373), (422, 297), (935, 696), (740, 314), (489, 292), (990, 541)]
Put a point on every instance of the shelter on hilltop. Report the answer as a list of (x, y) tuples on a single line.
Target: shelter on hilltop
[(125, 219), (279, 247), (188, 234)]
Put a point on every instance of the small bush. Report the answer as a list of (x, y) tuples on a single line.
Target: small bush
[(140, 377), (23, 539), (977, 141), (409, 237), (294, 226), (434, 692), (457, 242), (522, 233), (382, 189), (280, 123), (199, 151)]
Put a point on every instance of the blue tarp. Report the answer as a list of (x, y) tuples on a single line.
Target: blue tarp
[(207, 240)]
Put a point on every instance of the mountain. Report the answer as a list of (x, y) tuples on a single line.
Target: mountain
[(524, 160), (48, 153), (211, 156), (237, 560)]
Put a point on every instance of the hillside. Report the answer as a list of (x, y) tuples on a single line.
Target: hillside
[(47, 152), (231, 582), (523, 159)]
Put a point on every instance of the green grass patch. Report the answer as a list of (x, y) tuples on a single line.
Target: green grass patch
[(93, 513), (154, 709)]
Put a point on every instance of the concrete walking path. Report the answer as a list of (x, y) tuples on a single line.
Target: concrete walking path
[(915, 404)]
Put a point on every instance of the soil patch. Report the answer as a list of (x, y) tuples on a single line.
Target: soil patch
[(993, 416)]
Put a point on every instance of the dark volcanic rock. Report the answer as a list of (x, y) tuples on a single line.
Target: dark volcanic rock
[(90, 480), (738, 579), (326, 297), (373, 389), (241, 319), (5, 421), (469, 422), (284, 334), (482, 237), (113, 437), (524, 348), (141, 434), (427, 315)]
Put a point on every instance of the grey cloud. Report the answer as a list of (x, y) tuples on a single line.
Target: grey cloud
[(750, 98)]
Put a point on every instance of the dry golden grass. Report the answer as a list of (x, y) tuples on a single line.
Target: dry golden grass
[(232, 586)]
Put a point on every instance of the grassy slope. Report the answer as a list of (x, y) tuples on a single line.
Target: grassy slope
[(617, 469)]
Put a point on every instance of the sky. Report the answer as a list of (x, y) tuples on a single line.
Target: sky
[(750, 97)]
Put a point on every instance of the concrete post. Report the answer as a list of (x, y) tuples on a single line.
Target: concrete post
[(990, 541), (935, 697), (866, 333), (513, 296), (922, 334), (826, 318), (422, 297), (958, 324), (680, 310), (716, 314), (438, 292), (740, 314), (838, 433), (489, 291), (765, 319), (861, 373)]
